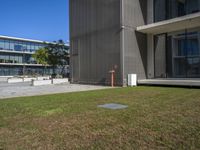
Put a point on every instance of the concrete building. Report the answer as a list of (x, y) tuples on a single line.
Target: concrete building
[(151, 38), (16, 56)]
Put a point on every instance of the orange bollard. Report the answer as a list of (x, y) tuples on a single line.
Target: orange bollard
[(112, 77)]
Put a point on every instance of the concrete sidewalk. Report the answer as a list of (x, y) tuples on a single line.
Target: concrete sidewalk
[(25, 89)]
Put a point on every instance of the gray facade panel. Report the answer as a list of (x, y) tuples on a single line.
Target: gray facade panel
[(160, 55), (105, 31), (96, 26), (150, 56), (135, 44)]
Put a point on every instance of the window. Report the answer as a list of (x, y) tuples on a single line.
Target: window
[(12, 58), (24, 46), (159, 10), (19, 58), (168, 9), (36, 46), (185, 47), (32, 47), (2, 60), (1, 44), (192, 6), (18, 46), (7, 58), (12, 45), (7, 45), (28, 46), (181, 7), (21, 46)]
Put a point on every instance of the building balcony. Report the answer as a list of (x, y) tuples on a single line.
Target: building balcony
[(16, 52), (19, 64), (171, 25), (171, 82)]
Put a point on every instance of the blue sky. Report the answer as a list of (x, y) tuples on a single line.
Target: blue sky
[(46, 20)]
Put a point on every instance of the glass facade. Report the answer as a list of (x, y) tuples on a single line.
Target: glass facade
[(185, 48), (16, 57), (20, 46), (168, 9), (12, 56), (179, 52), (29, 70)]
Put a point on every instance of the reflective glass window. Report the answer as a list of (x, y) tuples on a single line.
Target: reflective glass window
[(24, 46), (2, 60), (21, 46), (17, 46), (29, 46), (16, 59), (20, 59), (6, 57), (36, 46), (12, 58), (185, 53), (32, 47), (12, 45), (168, 9), (7, 45), (1, 44)]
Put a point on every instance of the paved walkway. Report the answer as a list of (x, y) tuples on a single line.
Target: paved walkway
[(25, 89)]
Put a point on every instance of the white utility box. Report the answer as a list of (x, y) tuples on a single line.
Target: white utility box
[(132, 79)]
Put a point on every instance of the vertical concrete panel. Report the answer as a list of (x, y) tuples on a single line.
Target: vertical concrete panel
[(150, 56), (150, 40), (135, 44), (169, 57), (96, 25), (160, 56)]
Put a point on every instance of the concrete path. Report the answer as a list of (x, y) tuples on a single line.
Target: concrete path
[(25, 89)]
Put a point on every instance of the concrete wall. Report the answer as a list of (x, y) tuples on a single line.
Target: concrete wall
[(135, 44), (160, 55), (95, 40), (150, 41), (103, 36)]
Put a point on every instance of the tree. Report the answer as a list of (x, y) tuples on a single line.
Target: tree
[(41, 57), (57, 55)]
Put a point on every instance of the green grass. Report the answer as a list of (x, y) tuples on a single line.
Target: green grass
[(157, 118)]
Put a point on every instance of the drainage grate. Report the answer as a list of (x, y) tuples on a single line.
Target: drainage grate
[(113, 106)]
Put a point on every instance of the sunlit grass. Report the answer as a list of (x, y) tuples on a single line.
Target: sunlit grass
[(156, 118)]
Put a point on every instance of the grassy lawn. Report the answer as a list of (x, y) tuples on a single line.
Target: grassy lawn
[(157, 118)]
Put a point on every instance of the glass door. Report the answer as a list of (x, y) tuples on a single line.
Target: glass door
[(186, 54)]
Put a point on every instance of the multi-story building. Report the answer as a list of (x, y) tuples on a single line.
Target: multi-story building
[(16, 57), (150, 38)]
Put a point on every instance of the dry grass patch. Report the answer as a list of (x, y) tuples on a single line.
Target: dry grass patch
[(157, 118)]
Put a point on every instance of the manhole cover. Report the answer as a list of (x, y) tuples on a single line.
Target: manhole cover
[(113, 106)]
